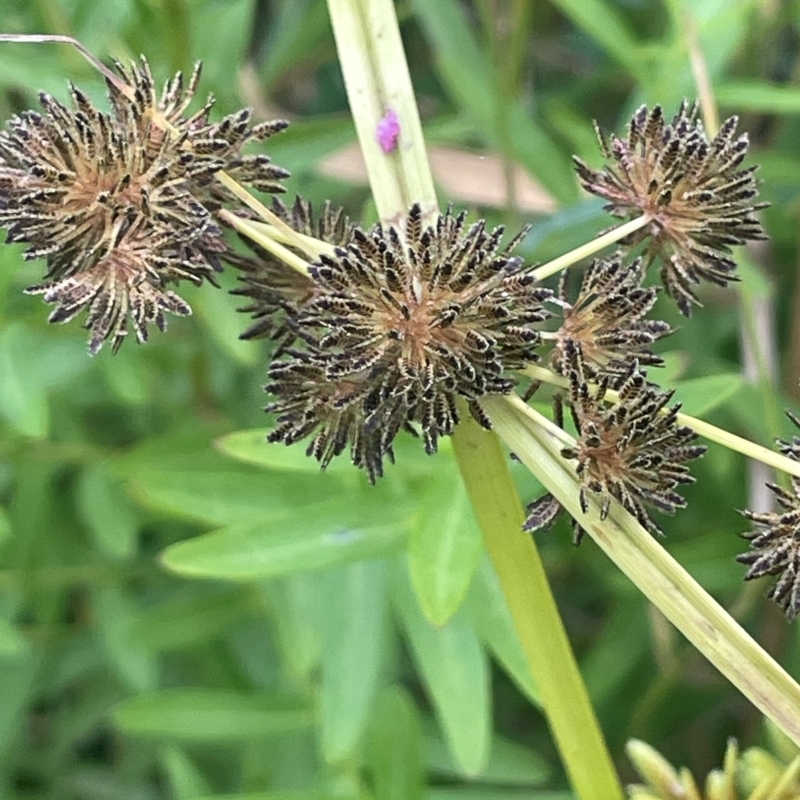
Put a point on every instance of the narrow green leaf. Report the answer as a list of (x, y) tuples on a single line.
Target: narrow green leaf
[(510, 763), (354, 620), (394, 754), (487, 608), (759, 97), (455, 672), (210, 715), (698, 396), (326, 534), (607, 27), (312, 794), (444, 547)]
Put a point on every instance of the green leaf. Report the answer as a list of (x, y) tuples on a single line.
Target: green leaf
[(325, 534), (185, 779), (608, 28), (510, 763), (355, 619), (482, 793), (23, 399), (312, 794), (698, 396), (12, 642), (107, 512), (487, 609), (394, 753), (210, 715), (5, 525), (444, 547), (455, 672)]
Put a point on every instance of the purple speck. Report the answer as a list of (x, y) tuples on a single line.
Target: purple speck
[(388, 132)]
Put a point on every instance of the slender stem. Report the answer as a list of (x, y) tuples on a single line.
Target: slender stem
[(246, 228), (315, 247), (705, 429), (658, 576), (494, 497), (590, 248)]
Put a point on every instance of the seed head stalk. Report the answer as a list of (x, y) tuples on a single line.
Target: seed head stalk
[(376, 78)]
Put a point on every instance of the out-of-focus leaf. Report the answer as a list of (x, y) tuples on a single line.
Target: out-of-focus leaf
[(19, 676), (701, 395), (482, 793), (189, 618), (394, 751), (210, 715), (5, 525), (607, 27), (510, 763), (12, 643), (456, 674), (324, 535), (116, 617), (354, 619), (444, 547), (107, 512), (23, 400), (185, 778), (312, 794), (487, 609)]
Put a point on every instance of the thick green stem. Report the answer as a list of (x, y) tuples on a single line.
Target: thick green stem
[(377, 79), (484, 467)]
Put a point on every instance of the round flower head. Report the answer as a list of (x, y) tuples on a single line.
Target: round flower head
[(277, 292), (76, 182), (401, 325), (775, 544), (699, 200), (632, 450), (606, 321)]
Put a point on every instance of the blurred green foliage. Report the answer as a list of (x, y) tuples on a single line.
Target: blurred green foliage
[(187, 613)]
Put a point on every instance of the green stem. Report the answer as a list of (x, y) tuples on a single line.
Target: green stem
[(705, 429), (590, 248), (377, 78), (658, 576), (484, 467)]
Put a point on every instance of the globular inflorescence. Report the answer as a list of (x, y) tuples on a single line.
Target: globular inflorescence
[(775, 542), (698, 198), (403, 324), (121, 204), (632, 449)]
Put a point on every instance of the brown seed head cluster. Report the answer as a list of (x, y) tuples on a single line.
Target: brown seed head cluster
[(114, 201), (605, 326), (632, 450), (401, 325), (276, 291), (699, 200), (775, 544)]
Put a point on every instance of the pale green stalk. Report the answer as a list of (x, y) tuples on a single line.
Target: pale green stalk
[(659, 577), (705, 429), (590, 248), (376, 77)]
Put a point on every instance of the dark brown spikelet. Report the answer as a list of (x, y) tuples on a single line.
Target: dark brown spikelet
[(607, 321), (775, 544), (276, 291), (401, 325), (699, 199), (76, 183), (632, 450)]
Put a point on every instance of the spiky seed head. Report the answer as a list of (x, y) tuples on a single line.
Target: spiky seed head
[(632, 450), (276, 291), (775, 542), (699, 199), (77, 182), (607, 321), (400, 325)]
